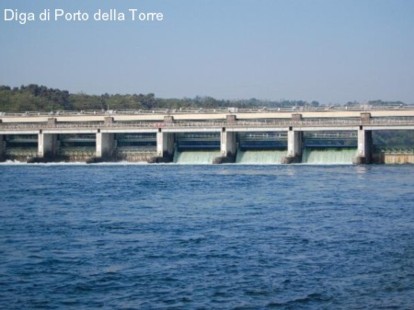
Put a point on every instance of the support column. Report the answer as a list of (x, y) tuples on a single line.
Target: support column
[(228, 147), (105, 144), (364, 153), (2, 148), (295, 143), (165, 147), (46, 146)]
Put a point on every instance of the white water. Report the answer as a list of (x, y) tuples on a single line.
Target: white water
[(73, 163), (260, 157), (195, 157), (328, 156)]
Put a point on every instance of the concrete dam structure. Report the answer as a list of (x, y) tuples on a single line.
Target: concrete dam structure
[(207, 137)]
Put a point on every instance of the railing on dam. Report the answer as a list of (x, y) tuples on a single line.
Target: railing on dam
[(362, 108), (278, 123)]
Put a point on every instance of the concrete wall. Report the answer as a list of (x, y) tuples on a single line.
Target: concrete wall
[(135, 156), (398, 159), (393, 158)]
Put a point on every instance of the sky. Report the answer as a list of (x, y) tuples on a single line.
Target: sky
[(332, 51)]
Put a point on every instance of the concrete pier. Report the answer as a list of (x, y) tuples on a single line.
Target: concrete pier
[(364, 153), (2, 148), (47, 146), (105, 145), (165, 147), (228, 147), (295, 143)]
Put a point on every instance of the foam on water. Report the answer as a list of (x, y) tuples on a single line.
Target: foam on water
[(260, 157), (328, 156), (71, 163), (195, 157)]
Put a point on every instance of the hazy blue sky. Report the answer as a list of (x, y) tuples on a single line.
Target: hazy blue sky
[(325, 50)]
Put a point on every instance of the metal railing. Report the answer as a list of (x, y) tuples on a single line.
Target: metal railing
[(279, 123), (226, 110)]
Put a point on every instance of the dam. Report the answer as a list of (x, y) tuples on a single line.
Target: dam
[(319, 136)]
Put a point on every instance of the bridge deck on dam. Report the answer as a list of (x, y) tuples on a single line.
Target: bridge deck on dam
[(242, 121), (204, 115)]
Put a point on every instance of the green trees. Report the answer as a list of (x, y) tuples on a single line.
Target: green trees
[(33, 98), (43, 99)]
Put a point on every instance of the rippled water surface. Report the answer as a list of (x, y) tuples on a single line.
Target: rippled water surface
[(224, 237)]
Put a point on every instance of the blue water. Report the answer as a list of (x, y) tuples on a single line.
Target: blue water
[(208, 237)]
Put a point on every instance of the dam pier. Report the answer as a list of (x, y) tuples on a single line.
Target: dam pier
[(324, 136)]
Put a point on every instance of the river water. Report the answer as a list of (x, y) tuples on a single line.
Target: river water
[(208, 237)]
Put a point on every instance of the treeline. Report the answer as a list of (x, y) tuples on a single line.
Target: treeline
[(43, 99)]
